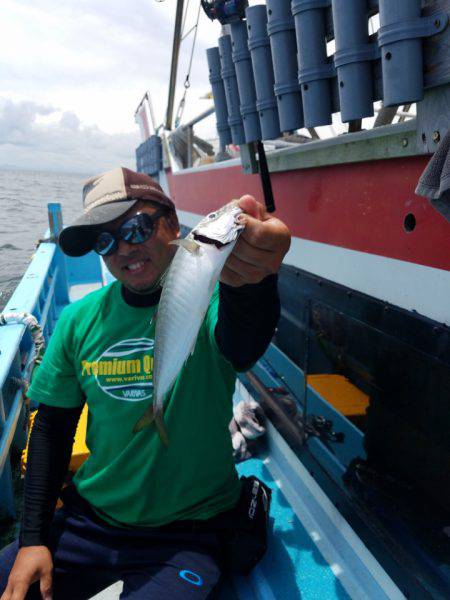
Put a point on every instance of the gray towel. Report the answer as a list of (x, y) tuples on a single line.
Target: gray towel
[(434, 182)]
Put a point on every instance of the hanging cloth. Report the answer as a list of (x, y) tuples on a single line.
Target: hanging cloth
[(31, 323)]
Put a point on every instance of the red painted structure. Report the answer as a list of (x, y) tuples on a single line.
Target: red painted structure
[(359, 206)]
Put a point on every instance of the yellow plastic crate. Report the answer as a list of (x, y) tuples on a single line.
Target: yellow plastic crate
[(79, 451), (343, 395)]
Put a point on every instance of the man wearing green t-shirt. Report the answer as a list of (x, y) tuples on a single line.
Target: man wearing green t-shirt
[(138, 510)]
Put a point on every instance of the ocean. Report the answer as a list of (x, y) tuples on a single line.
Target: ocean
[(24, 196)]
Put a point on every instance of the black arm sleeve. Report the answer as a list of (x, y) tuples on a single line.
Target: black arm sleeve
[(248, 316), (49, 452)]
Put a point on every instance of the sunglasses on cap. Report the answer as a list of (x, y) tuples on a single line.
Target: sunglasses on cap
[(136, 230)]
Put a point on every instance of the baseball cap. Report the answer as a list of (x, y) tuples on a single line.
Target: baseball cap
[(106, 197)]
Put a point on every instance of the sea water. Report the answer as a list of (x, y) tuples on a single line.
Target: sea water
[(24, 196)]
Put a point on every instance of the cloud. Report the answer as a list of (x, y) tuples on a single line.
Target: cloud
[(74, 72), (17, 119), (95, 58), (61, 143)]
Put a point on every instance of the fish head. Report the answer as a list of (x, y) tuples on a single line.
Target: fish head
[(219, 227)]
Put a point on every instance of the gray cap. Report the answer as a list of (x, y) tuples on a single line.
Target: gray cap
[(106, 197)]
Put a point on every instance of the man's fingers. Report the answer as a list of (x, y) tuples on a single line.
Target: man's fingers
[(32, 564), (6, 594), (250, 206), (271, 234), (257, 232), (251, 273), (46, 586), (261, 247), (249, 254)]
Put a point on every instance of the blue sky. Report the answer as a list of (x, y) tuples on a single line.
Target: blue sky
[(72, 73)]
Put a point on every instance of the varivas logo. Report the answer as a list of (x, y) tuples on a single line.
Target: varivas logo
[(125, 370)]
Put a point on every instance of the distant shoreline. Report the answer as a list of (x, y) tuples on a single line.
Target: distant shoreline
[(14, 168)]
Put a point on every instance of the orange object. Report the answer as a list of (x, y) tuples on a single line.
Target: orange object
[(342, 395)]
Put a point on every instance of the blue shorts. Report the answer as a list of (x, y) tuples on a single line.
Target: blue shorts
[(89, 555)]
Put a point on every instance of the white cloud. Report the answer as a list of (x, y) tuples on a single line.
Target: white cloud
[(82, 67), (60, 144), (95, 58)]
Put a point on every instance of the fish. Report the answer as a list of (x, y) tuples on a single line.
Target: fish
[(187, 289)]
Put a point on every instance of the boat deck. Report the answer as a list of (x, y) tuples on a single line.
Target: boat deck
[(313, 552)]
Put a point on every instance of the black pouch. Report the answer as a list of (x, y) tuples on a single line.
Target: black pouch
[(245, 541)]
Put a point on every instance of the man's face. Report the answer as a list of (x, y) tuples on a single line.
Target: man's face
[(138, 266)]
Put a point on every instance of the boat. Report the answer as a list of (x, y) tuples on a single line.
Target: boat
[(355, 383)]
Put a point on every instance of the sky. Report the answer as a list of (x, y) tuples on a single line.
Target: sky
[(72, 73)]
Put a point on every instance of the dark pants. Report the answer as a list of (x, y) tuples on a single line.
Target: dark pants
[(89, 555)]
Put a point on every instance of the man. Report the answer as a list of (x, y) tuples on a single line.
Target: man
[(137, 510)]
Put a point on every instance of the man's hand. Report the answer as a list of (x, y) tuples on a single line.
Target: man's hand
[(260, 248), (33, 563)]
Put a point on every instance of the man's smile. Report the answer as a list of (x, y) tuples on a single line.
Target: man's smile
[(136, 266)]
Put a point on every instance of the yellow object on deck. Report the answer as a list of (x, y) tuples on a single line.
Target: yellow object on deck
[(342, 395), (335, 389), (79, 451)]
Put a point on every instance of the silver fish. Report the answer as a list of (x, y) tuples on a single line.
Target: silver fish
[(187, 289)]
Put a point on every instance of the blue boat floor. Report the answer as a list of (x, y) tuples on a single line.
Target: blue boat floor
[(293, 567)]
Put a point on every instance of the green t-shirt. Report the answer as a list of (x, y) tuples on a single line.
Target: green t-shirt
[(101, 352)]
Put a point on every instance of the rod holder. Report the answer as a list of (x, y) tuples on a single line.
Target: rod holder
[(218, 91), (231, 90), (399, 38), (315, 68), (281, 30), (259, 46), (353, 59), (246, 82)]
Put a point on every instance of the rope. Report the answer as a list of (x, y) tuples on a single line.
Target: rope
[(31, 323), (187, 83), (20, 382), (53, 239), (183, 23)]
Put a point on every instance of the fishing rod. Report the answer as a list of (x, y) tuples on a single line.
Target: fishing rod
[(232, 11), (266, 182)]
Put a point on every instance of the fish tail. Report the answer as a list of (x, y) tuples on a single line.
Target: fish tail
[(161, 427), (147, 419)]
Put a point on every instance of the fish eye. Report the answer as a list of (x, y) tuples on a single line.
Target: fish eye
[(212, 215)]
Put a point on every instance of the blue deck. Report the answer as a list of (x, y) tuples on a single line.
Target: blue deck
[(293, 567)]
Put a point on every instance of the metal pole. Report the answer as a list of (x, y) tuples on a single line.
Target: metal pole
[(385, 116), (152, 113), (140, 104), (199, 118), (289, 427), (189, 141), (174, 65)]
